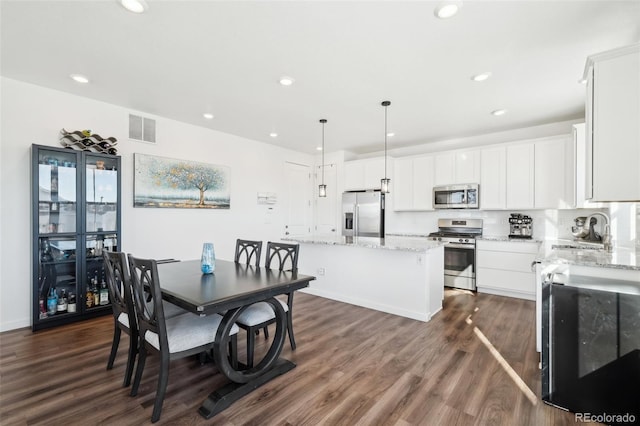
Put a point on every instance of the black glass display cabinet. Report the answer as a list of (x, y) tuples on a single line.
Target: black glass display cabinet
[(76, 215)]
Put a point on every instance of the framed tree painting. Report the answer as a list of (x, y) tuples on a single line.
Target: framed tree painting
[(169, 183)]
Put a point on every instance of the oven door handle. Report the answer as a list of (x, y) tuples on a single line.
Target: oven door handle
[(461, 245)]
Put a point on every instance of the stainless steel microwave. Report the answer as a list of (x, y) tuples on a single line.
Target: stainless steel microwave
[(456, 196)]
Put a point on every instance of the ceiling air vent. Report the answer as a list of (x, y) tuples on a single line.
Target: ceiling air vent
[(142, 128)]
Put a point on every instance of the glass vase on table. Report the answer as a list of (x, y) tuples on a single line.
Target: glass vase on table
[(208, 259)]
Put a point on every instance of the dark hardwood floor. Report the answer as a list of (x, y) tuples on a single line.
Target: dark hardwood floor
[(473, 363)]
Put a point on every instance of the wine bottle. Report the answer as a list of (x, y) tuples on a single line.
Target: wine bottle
[(104, 293), (62, 303), (89, 300), (96, 291), (72, 303)]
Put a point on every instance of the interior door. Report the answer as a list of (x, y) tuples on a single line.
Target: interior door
[(326, 207), (298, 216)]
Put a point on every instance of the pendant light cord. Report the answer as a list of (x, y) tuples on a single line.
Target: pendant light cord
[(323, 153), (385, 141)]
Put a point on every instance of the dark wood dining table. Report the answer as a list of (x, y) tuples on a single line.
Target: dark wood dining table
[(229, 290)]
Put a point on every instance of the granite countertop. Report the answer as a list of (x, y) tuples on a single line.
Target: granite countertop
[(505, 238), (569, 252), (391, 242)]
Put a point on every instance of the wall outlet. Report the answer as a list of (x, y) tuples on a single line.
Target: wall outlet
[(320, 271)]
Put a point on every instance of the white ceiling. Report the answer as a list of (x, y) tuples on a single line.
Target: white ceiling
[(184, 58)]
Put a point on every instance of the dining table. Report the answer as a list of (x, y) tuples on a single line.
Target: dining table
[(228, 291)]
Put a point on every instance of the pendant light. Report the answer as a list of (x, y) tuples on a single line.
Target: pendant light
[(322, 188), (384, 183)]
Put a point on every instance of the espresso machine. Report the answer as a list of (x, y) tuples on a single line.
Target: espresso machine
[(520, 226)]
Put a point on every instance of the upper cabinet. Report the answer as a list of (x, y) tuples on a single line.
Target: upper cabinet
[(493, 178), (520, 176), (413, 183), (453, 167), (554, 173), (365, 174), (612, 125)]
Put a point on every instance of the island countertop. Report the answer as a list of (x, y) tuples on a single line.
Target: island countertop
[(414, 244), (569, 252)]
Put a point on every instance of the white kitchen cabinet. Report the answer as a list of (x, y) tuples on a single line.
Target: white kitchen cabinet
[(467, 166), (520, 176), (365, 174), (613, 128), (456, 167), (445, 168), (580, 149), (504, 268), (554, 173), (413, 183), (493, 178)]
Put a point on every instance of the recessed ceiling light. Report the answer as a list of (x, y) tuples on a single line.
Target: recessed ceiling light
[(391, 134), (447, 9), (499, 112), (135, 6), (208, 115), (273, 134), (79, 78), (318, 148), (286, 81), (481, 77)]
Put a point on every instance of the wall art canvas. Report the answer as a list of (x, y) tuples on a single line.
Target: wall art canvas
[(169, 183)]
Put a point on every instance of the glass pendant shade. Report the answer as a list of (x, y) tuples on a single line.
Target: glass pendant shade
[(322, 190), (384, 185)]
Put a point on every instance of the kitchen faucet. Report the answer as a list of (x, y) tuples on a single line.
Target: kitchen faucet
[(606, 236)]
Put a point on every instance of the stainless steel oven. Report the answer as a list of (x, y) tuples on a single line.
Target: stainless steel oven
[(459, 250)]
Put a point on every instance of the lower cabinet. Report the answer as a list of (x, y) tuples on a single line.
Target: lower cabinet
[(504, 268)]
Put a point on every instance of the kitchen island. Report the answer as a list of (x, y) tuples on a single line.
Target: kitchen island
[(398, 275)]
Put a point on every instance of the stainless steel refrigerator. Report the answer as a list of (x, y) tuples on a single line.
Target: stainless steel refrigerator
[(363, 214)]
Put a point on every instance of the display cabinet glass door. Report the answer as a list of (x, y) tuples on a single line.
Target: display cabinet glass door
[(76, 217), (57, 189), (57, 277)]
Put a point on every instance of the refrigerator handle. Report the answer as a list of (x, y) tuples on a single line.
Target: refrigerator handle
[(356, 220)]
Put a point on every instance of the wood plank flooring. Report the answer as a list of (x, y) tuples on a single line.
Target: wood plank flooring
[(474, 363)]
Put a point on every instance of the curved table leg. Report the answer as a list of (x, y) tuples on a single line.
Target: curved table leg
[(245, 381)]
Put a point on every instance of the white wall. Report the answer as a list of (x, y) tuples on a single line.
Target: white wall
[(32, 114)]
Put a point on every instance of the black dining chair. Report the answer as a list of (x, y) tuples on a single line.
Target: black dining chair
[(283, 257), (172, 338), (124, 317), (246, 250)]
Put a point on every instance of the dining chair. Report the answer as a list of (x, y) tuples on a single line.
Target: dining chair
[(283, 257), (124, 316), (246, 250), (172, 338)]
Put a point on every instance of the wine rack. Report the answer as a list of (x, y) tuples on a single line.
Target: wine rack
[(85, 141)]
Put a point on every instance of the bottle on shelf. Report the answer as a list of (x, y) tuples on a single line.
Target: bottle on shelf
[(52, 302), (72, 303), (104, 293), (96, 291), (62, 303), (89, 299), (43, 308), (54, 184)]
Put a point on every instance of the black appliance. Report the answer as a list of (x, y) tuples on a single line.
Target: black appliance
[(591, 346)]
